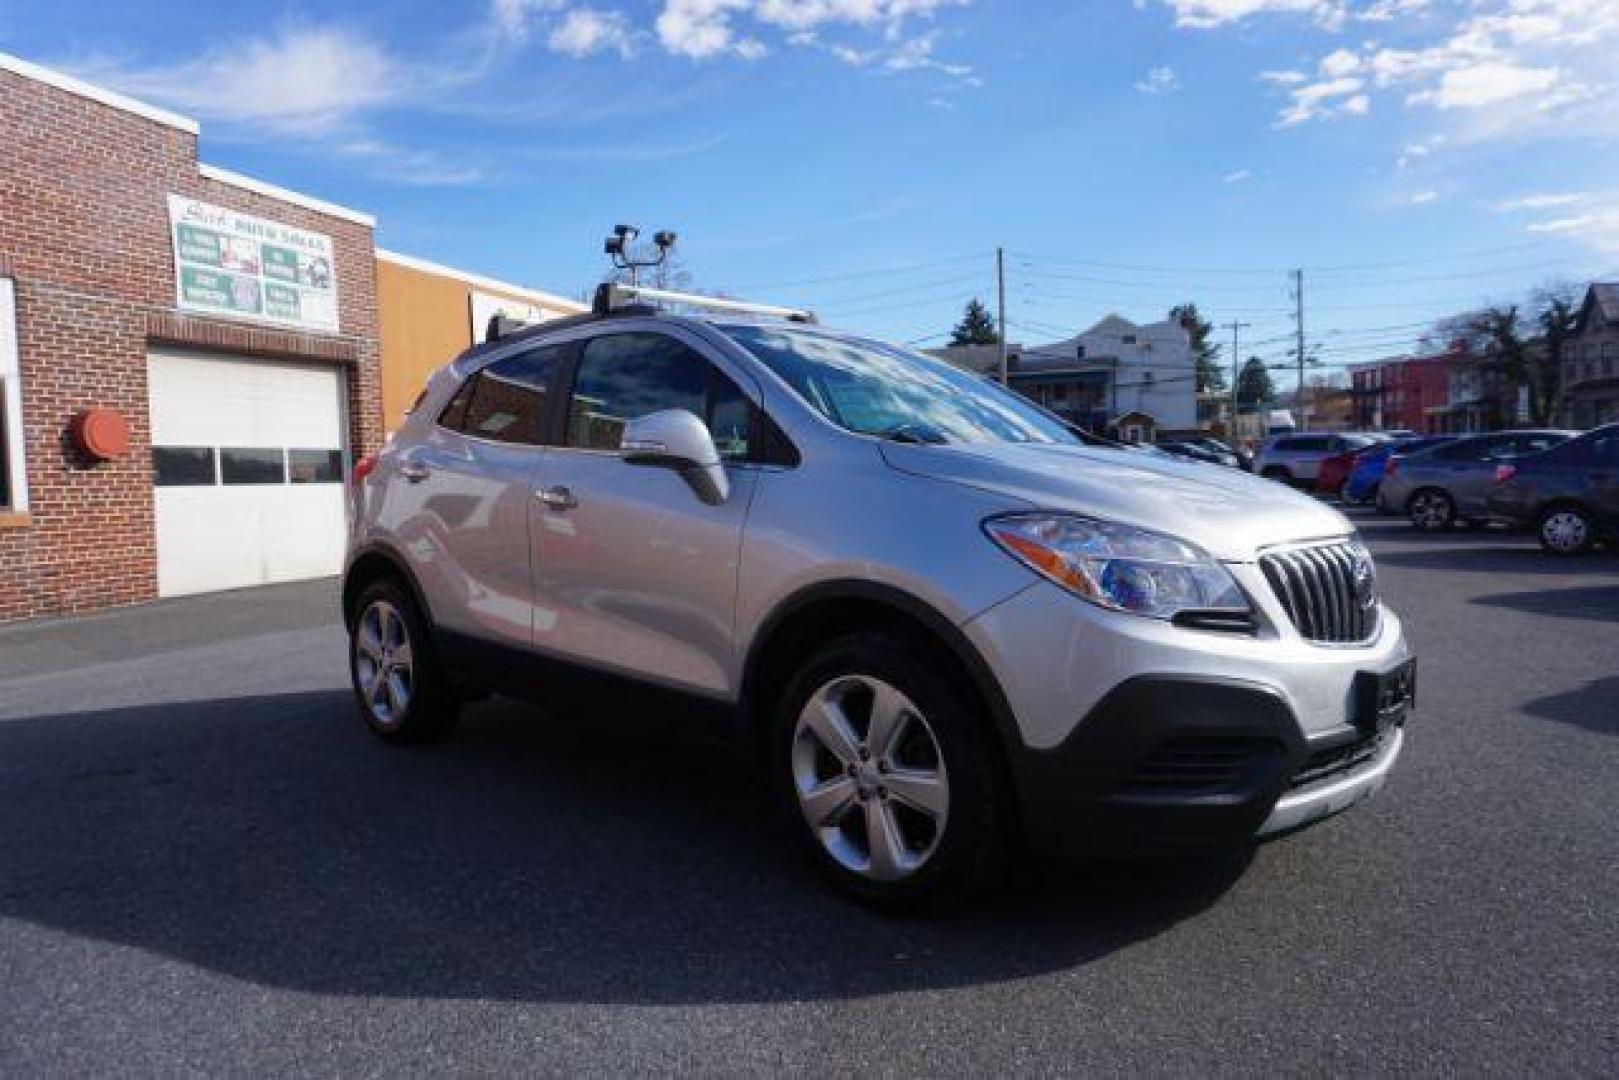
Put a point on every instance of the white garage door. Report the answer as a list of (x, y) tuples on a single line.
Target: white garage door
[(248, 465)]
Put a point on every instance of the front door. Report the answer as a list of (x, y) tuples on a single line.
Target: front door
[(633, 572)]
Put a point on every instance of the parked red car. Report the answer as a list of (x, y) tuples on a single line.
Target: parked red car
[(1335, 470)]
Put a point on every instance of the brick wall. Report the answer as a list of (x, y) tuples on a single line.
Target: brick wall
[(84, 233)]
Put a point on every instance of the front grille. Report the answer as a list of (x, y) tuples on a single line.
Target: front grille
[(1328, 762), (1317, 587), (1201, 765)]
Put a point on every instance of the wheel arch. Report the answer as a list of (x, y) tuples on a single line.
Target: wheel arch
[(828, 609), (371, 563)]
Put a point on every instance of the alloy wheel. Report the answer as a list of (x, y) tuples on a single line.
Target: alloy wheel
[(1565, 531), (384, 663), (1430, 510), (870, 778)]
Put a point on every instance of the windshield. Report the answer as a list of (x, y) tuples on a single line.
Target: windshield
[(875, 389)]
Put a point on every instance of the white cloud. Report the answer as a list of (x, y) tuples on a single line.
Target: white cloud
[(704, 29), (1487, 83), (300, 81), (1539, 202), (1598, 227), (586, 31), (1326, 98), (1498, 67), (1423, 198), (1340, 63), (1237, 176), (1206, 14), (1159, 80)]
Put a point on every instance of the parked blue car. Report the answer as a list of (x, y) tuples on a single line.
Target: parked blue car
[(1368, 472)]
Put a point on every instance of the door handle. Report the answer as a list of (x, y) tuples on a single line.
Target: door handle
[(557, 498), (414, 473)]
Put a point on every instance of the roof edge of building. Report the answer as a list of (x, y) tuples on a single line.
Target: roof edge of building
[(62, 81), (286, 195), (494, 284)]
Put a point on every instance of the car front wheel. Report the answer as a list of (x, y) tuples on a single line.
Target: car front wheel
[(1566, 530), (888, 776)]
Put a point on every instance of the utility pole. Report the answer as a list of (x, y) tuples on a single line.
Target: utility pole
[(1236, 329), (1000, 283), (1298, 397)]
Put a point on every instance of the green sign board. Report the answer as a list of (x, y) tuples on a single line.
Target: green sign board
[(234, 264)]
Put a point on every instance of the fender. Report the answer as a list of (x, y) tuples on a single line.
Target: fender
[(384, 550), (904, 603)]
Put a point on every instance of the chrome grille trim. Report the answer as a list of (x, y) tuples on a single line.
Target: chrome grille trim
[(1315, 584)]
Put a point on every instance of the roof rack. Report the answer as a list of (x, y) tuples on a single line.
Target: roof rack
[(611, 297)]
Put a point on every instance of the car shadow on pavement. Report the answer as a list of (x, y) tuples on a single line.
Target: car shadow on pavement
[(1594, 706), (525, 858), (1597, 602)]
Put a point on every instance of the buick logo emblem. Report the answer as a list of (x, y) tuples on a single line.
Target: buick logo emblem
[(1364, 579)]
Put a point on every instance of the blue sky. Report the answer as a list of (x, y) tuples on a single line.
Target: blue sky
[(1416, 157)]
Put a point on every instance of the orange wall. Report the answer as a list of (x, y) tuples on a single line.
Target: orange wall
[(426, 321)]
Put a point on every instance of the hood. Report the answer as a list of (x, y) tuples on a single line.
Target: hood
[(1227, 513)]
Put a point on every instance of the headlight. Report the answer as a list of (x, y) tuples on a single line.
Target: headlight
[(1118, 566)]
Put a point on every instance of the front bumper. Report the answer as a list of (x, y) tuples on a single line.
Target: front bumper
[(1134, 734), (1168, 763)]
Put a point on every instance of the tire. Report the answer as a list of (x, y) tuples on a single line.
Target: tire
[(937, 790), (1278, 474), (1566, 530), (412, 702), (1432, 510)]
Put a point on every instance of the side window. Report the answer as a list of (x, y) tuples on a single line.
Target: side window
[(1467, 450), (730, 418), (507, 399), (455, 413), (1533, 444)]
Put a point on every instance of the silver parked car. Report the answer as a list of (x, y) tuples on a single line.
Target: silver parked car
[(1447, 484), (943, 623), (1296, 459)]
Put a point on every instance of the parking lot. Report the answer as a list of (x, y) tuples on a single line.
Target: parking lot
[(207, 866)]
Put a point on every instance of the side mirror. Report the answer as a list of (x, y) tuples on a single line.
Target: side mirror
[(676, 439)]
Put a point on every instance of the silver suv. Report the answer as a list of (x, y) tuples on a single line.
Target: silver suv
[(1296, 459), (944, 624)]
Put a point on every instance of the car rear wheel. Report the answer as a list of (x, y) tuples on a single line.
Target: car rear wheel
[(1277, 473), (888, 777), (1432, 510), (401, 692), (1567, 530)]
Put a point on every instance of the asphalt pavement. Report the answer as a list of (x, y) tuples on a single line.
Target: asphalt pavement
[(207, 866)]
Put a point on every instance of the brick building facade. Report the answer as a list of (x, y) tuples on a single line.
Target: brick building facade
[(86, 245)]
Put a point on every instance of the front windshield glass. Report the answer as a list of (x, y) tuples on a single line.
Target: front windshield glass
[(875, 389)]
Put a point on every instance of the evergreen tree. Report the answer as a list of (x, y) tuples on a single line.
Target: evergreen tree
[(976, 326), (1254, 388), (1205, 354)]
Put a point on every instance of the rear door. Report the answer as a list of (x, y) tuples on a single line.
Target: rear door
[(1469, 471), (635, 573), (461, 499)]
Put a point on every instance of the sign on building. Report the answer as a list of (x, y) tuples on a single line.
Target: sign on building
[(234, 264)]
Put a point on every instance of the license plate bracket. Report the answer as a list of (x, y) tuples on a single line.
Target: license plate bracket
[(1383, 698)]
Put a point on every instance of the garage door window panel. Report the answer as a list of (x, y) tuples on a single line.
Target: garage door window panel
[(315, 466), (251, 465), (184, 466)]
